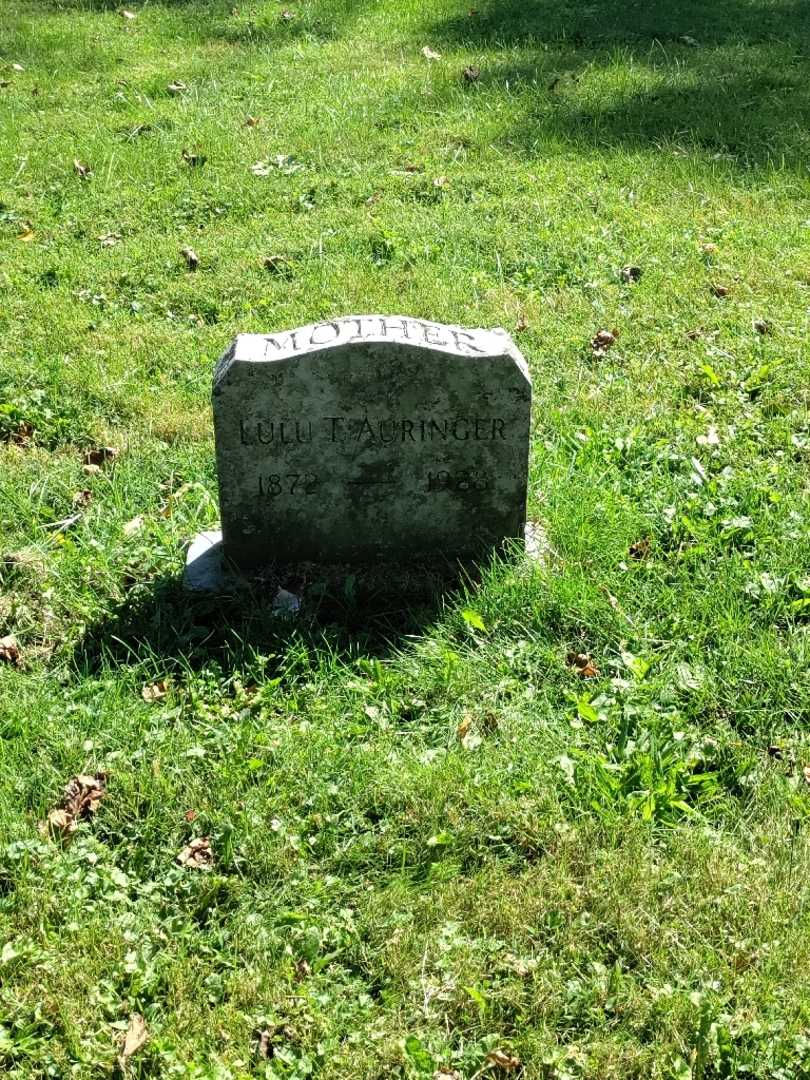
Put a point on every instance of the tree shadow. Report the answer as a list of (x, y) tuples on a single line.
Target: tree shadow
[(344, 613), (525, 22), (729, 79)]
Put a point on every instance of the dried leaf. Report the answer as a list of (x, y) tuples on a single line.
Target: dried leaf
[(278, 265), (177, 87), (446, 1074), (471, 74), (264, 1046), (127, 14), (155, 691), (522, 324), (430, 54), (806, 772), (136, 1037), (631, 274), (9, 650), (603, 341), (463, 728), (101, 455), (252, 121), (502, 1059), (82, 498), (197, 855), (193, 158), (91, 470), (191, 815), (133, 526), (82, 171), (27, 235), (762, 326), (440, 181), (719, 290), (109, 239), (640, 549), (709, 249), (584, 666), (191, 257), (80, 800)]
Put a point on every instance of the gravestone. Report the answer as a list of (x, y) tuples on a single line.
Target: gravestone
[(370, 438)]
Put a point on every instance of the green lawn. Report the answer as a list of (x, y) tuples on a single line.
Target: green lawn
[(437, 849)]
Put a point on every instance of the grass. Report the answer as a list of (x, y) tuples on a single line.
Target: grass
[(433, 840)]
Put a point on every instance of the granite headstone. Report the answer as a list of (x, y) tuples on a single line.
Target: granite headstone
[(371, 438)]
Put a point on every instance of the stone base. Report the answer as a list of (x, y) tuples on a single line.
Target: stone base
[(207, 570)]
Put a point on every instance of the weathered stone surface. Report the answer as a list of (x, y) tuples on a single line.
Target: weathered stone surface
[(371, 438)]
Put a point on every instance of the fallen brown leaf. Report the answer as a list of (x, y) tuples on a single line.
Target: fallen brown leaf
[(27, 235), (191, 815), (100, 455), (640, 549), (155, 691), (197, 855), (631, 274), (584, 666), (82, 498), (471, 74), (191, 257), (91, 470), (806, 771), (762, 326), (502, 1059), (177, 87), (522, 324), (9, 650), (82, 171), (136, 1037), (709, 249), (603, 340), (430, 54), (252, 121), (719, 290), (278, 265), (193, 158), (463, 728), (440, 181), (80, 800)]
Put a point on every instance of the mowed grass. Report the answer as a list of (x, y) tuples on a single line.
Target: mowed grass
[(438, 850)]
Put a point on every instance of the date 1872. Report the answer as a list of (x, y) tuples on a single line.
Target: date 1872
[(288, 484)]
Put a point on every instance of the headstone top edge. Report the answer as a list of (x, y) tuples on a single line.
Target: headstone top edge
[(419, 334)]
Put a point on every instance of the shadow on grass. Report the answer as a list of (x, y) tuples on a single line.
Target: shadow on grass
[(344, 614), (493, 23)]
